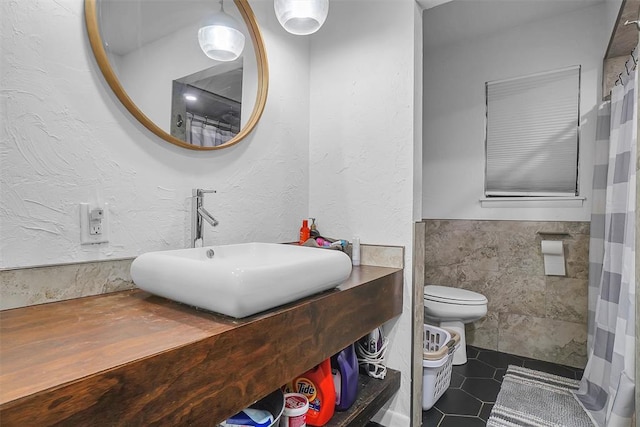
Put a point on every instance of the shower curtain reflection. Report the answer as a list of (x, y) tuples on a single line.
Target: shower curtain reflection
[(205, 133)]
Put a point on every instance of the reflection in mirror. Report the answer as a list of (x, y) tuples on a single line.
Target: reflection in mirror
[(148, 51), (206, 106)]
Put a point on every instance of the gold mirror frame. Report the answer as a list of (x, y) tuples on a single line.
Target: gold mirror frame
[(91, 19)]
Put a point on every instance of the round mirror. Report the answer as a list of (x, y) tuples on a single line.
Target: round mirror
[(149, 53)]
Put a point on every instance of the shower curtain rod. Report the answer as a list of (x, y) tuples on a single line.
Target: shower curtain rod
[(207, 121), (628, 67)]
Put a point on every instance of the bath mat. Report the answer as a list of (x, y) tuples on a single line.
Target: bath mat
[(537, 399)]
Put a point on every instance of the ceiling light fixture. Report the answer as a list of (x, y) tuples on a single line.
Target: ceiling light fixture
[(220, 37), (301, 17)]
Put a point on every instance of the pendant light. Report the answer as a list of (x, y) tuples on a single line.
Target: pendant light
[(301, 17), (220, 37)]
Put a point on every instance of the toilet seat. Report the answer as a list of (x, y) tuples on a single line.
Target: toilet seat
[(448, 295)]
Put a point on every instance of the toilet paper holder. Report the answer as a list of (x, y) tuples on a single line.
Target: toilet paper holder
[(553, 233)]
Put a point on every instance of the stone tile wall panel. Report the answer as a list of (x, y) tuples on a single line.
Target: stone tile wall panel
[(503, 261)]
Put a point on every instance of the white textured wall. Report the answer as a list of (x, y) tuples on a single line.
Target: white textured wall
[(361, 143), (66, 139), (454, 105)]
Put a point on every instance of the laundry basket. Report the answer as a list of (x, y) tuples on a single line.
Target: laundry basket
[(439, 345)]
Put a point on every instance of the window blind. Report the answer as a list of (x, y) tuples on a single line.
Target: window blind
[(532, 130)]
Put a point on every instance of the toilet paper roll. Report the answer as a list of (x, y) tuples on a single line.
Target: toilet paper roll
[(553, 253), (552, 247)]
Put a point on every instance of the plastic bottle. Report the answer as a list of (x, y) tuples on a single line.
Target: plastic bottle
[(313, 229), (355, 251), (317, 385), (304, 231), (344, 368)]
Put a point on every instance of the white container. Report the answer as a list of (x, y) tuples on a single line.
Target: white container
[(295, 410), (355, 251), (438, 349)]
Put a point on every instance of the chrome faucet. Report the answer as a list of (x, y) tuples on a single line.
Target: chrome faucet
[(198, 213)]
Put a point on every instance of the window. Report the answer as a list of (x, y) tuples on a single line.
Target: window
[(532, 131)]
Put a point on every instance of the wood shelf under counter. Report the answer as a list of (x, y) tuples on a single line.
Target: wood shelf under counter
[(373, 394), (131, 358)]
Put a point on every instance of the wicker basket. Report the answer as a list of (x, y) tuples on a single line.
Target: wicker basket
[(439, 345)]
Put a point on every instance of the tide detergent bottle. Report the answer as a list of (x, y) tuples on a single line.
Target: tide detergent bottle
[(317, 385)]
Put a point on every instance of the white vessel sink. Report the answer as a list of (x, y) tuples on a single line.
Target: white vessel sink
[(240, 280)]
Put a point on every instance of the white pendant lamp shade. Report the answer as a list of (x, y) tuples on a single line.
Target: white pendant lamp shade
[(301, 17), (220, 37)]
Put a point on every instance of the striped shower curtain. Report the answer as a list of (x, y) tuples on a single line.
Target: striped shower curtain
[(607, 387)]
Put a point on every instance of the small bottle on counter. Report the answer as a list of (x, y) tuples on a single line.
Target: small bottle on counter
[(304, 231), (314, 230), (355, 251)]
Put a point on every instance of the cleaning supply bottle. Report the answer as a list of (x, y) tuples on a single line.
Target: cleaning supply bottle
[(304, 231), (317, 385), (344, 368), (313, 229)]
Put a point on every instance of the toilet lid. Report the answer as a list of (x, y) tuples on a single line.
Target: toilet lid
[(451, 295)]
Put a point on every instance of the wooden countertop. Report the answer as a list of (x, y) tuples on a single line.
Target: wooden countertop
[(131, 358)]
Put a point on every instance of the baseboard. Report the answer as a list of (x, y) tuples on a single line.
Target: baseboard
[(390, 418)]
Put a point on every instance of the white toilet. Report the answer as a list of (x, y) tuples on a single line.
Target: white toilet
[(451, 308)]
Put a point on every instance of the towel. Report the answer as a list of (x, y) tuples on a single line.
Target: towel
[(250, 417)]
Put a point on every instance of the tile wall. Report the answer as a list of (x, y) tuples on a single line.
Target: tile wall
[(529, 314), (38, 285)]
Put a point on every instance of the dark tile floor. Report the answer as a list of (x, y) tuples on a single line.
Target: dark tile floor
[(475, 386)]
